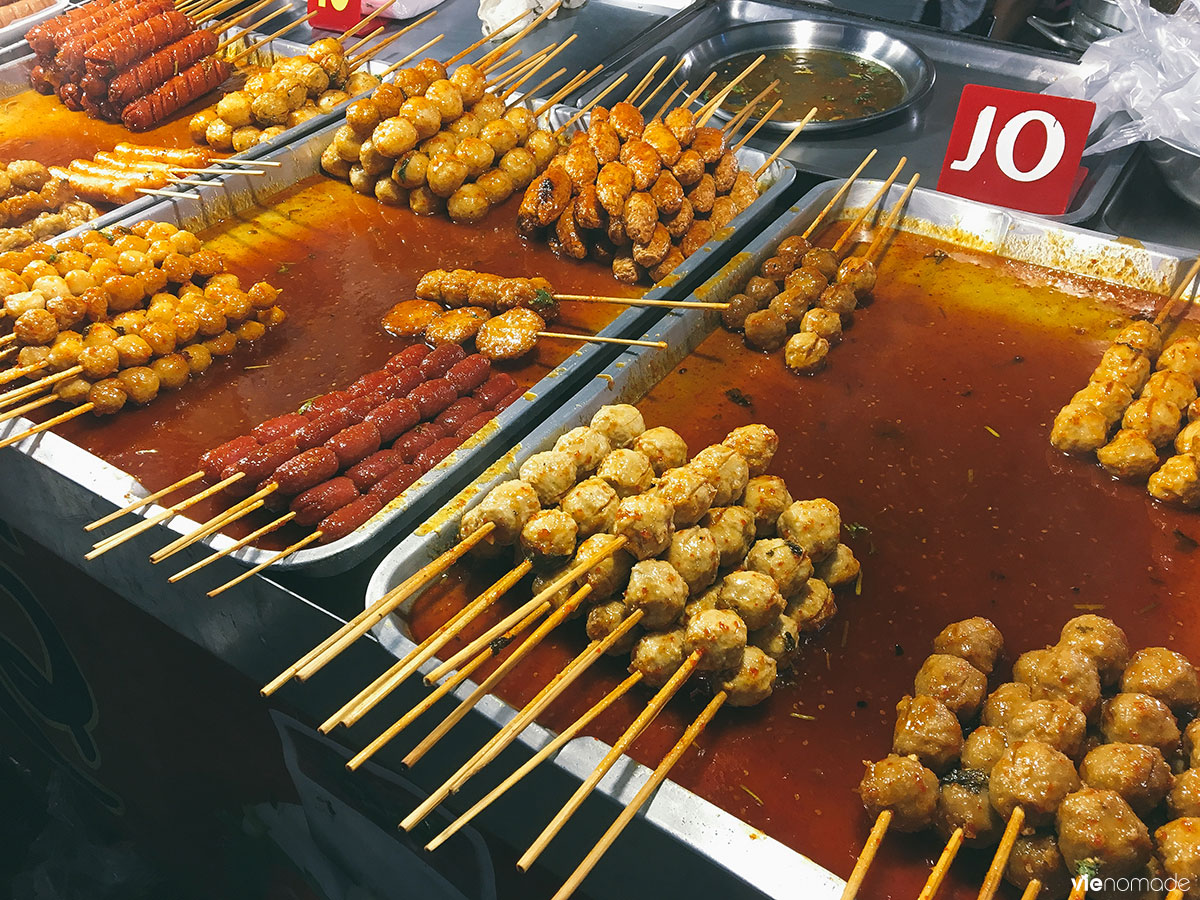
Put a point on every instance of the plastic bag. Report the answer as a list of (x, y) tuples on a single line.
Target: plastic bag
[(1151, 71), (494, 13), (402, 9)]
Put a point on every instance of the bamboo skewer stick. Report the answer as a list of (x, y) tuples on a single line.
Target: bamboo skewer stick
[(631, 301), (934, 883), (36, 387), (354, 29), (8, 338), (233, 39), (671, 99), (991, 883), (867, 855), (400, 63), (1035, 887), (503, 61), (1178, 293), (695, 95), (518, 70), (747, 110), (564, 579), (18, 372), (282, 554), (644, 794), (508, 92), (389, 40), (49, 423), (154, 192), (211, 12), (532, 92), (463, 54), (582, 78), (19, 411), (237, 545), (443, 689), (487, 60), (538, 758), (370, 696), (595, 100), (596, 339), (857, 223), (707, 110), (662, 84), (632, 96), (144, 501), (216, 523), (841, 192), (766, 117), (244, 14), (349, 52), (893, 217), (640, 724), (792, 135), (282, 31), (101, 547), (1078, 889), (4, 354)]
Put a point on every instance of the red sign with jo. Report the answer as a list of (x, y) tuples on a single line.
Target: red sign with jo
[(335, 15), (1017, 149)]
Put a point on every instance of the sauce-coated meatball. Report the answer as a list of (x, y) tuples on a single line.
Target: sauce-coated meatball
[(976, 640), (628, 471), (1079, 428), (1173, 386), (757, 445), (767, 497), (658, 656), (928, 730), (1184, 797), (1179, 847), (725, 468), (982, 748), (1003, 702), (694, 555), (732, 529), (753, 596), (1130, 456), (1098, 826), (620, 423), (658, 590), (645, 521), (812, 606), (1137, 772), (603, 620), (1183, 356), (1055, 723), (905, 787), (1191, 743), (548, 538), (1164, 674), (1065, 673), (966, 805), (1033, 776), (753, 681), (780, 640), (787, 564), (813, 524), (593, 505), (1140, 719), (689, 493), (509, 505), (663, 447), (1157, 419), (608, 577), (1124, 364), (1036, 856), (955, 682), (586, 446), (1102, 640), (839, 568), (1141, 336), (551, 474), (720, 636), (1177, 481), (1110, 398)]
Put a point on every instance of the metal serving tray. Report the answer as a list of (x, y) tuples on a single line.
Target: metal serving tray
[(12, 37), (300, 160), (767, 865), (921, 134)]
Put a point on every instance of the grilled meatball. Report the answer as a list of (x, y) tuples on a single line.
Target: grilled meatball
[(645, 521), (822, 260), (765, 330), (1164, 674), (982, 748), (955, 682), (753, 681), (838, 568), (813, 524), (603, 619), (720, 636), (1098, 826), (732, 529), (787, 564), (509, 505), (753, 596), (1137, 772), (1055, 723), (1178, 480), (1124, 364), (1141, 336), (1157, 419), (593, 505), (609, 576), (928, 730), (689, 492), (1036, 856), (976, 640), (965, 804), (1065, 673), (729, 472), (757, 445), (858, 274), (1102, 640), (1184, 796), (620, 423), (779, 640), (548, 538), (1079, 429), (1191, 743), (694, 555), (823, 324), (1183, 356), (812, 606), (1179, 846), (586, 447), (1173, 386), (905, 787), (551, 474), (1140, 719), (628, 471), (1130, 456), (658, 590), (657, 656), (1025, 665), (1110, 398), (1033, 776), (663, 447), (1188, 439)]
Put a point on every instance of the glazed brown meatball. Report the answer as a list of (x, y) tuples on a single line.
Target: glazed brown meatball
[(812, 606), (608, 577), (786, 564), (1055, 723), (1033, 776), (760, 289), (813, 524), (1065, 673), (976, 640), (1179, 846), (694, 554), (1079, 428), (1184, 796), (1191, 743), (1109, 398), (753, 681), (1178, 480), (720, 635), (955, 682), (1140, 719), (905, 787), (753, 596), (765, 330), (663, 447), (1097, 825), (1137, 772), (1103, 641), (658, 590), (1036, 856), (928, 730), (983, 747), (732, 528), (1164, 674), (965, 804), (603, 620)]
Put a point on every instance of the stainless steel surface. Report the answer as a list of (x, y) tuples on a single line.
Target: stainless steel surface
[(1179, 167), (1075, 33), (900, 58), (1104, 12), (920, 133), (1142, 207), (12, 37), (301, 160)]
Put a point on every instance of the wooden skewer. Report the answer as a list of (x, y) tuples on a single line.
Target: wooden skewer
[(575, 118), (4, 354), (233, 39), (235, 546), (707, 110), (16, 373), (350, 50), (1078, 889), (144, 501), (505, 80), (213, 12), (867, 856), (205, 11), (632, 96), (313, 662), (641, 301), (1035, 887), (353, 29), (36, 387), (595, 339), (695, 95), (282, 554), (512, 88), (766, 117), (841, 192), (154, 192), (463, 54), (892, 218), (792, 135), (370, 696), (746, 111), (49, 423), (503, 62), (244, 162), (582, 78), (7, 339), (216, 523), (532, 92), (282, 31), (662, 84), (538, 758), (362, 57), (663, 109), (934, 883), (244, 14), (857, 223), (400, 63), (565, 578), (1178, 293), (640, 724), (413, 819), (444, 688), (639, 800), (488, 59), (19, 411), (991, 883)]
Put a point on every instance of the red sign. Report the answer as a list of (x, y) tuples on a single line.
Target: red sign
[(335, 15), (1017, 149)]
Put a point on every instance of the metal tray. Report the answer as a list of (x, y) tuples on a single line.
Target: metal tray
[(302, 159), (990, 229), (921, 133), (12, 37), (1143, 207)]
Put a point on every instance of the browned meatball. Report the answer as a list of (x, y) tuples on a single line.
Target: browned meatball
[(905, 787), (765, 330), (1191, 742), (1164, 674), (1003, 703), (1055, 723), (1140, 719), (603, 619), (740, 306), (1064, 673), (1184, 798), (1033, 776), (1102, 641), (1036, 856), (983, 747), (1137, 772), (927, 729), (1179, 846), (1098, 826), (976, 640), (955, 682), (964, 803)]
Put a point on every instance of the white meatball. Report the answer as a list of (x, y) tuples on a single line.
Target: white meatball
[(813, 606), (766, 497), (628, 471), (757, 445), (787, 564), (732, 472), (839, 567), (753, 682), (593, 505), (657, 656), (472, 521), (732, 528), (779, 640), (604, 619), (509, 506), (621, 423), (552, 475), (645, 521), (560, 597), (753, 596), (1188, 440), (586, 446), (689, 492), (658, 590), (693, 553), (548, 538), (664, 448), (608, 577), (711, 599), (719, 635), (813, 524)]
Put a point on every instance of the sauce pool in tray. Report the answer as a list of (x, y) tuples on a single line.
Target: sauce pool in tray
[(929, 430)]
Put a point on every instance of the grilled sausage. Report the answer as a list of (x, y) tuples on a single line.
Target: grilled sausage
[(349, 518), (355, 443), (409, 356), (469, 373), (498, 386), (144, 38), (327, 403), (418, 438), (323, 500), (433, 396), (435, 453), (394, 417), (189, 85), (440, 360), (473, 424), (395, 482), (228, 454), (278, 427), (323, 427), (160, 67), (454, 416), (305, 470), (370, 470), (260, 463)]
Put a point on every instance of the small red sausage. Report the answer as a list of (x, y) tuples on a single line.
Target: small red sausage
[(327, 402), (394, 418), (336, 526), (374, 467), (405, 381), (354, 443), (305, 470), (457, 413), (369, 383), (440, 359), (409, 356), (473, 424), (325, 499), (468, 374), (218, 458), (495, 389), (322, 428), (435, 453), (280, 426), (433, 396), (259, 464), (418, 438), (510, 399), (395, 482), (361, 405)]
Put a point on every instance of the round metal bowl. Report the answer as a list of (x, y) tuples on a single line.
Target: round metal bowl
[(1179, 166), (900, 58)]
